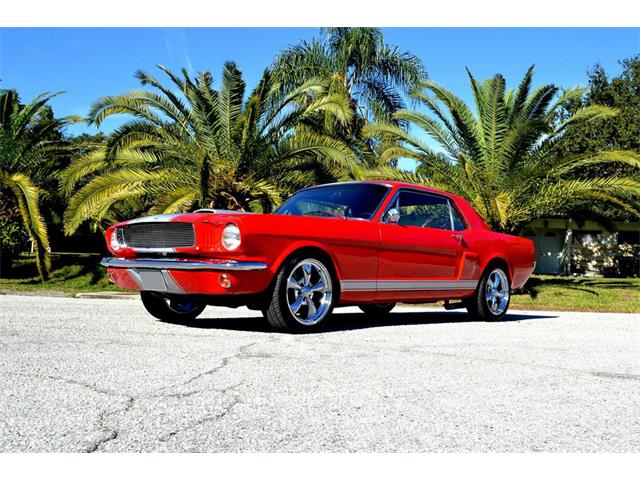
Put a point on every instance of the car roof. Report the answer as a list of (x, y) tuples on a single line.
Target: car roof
[(388, 183), (472, 217)]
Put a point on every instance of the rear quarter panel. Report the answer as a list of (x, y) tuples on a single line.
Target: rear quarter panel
[(521, 260), (484, 246), (517, 252)]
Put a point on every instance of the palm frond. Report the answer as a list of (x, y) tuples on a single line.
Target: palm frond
[(81, 168), (589, 114), (27, 195), (105, 190), (463, 119), (174, 201)]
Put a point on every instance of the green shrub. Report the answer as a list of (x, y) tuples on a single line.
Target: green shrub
[(13, 240)]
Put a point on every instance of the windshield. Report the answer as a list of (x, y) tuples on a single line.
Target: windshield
[(350, 200)]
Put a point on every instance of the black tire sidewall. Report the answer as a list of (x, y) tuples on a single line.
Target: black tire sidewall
[(155, 304)]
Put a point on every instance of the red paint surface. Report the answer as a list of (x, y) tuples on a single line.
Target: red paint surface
[(359, 250)]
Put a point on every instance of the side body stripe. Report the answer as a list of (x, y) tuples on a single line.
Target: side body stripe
[(406, 285)]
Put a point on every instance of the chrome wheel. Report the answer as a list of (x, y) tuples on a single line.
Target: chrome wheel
[(497, 292), (309, 291)]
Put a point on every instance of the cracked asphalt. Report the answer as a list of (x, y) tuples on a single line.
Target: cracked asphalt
[(104, 376)]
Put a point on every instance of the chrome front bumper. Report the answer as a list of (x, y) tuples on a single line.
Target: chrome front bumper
[(177, 264)]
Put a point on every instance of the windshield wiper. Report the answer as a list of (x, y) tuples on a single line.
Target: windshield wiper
[(321, 213)]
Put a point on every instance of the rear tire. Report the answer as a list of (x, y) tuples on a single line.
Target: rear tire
[(377, 310), (492, 296), (303, 295), (172, 309)]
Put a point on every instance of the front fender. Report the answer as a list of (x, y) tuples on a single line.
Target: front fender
[(294, 246)]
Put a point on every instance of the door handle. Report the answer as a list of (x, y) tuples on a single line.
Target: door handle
[(459, 237)]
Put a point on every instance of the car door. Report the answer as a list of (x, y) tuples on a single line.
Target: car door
[(421, 247)]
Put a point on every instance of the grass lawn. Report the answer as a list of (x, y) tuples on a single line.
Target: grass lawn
[(585, 294), (82, 273), (72, 273)]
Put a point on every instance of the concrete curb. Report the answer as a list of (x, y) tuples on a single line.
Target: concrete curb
[(108, 295), (59, 294)]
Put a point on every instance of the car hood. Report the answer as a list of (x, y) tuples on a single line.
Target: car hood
[(209, 216)]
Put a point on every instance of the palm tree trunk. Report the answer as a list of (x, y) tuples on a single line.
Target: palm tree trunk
[(204, 183)]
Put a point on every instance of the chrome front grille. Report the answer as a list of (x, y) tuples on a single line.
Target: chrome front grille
[(159, 235)]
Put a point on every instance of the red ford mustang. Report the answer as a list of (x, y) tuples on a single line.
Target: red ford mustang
[(369, 244)]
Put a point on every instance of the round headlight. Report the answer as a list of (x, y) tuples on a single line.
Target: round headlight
[(115, 244), (231, 236)]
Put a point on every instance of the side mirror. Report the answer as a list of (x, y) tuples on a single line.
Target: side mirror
[(392, 216)]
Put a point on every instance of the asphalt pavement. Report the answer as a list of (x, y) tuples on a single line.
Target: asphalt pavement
[(92, 375)]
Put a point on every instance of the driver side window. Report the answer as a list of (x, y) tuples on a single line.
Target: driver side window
[(423, 210)]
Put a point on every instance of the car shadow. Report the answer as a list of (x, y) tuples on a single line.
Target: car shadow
[(354, 321)]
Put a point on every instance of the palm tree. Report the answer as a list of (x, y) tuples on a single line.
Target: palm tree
[(359, 65), (191, 146), (501, 156), (29, 140)]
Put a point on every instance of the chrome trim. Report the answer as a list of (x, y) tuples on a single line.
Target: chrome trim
[(170, 282), (154, 249), (171, 264), (135, 276), (157, 237), (451, 223), (406, 285), (352, 182), (358, 285), (163, 217), (225, 212), (383, 200), (392, 216), (144, 282)]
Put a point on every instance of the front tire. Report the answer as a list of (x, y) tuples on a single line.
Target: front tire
[(303, 296), (377, 310), (492, 297), (172, 309)]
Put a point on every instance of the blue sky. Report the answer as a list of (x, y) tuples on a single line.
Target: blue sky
[(90, 62)]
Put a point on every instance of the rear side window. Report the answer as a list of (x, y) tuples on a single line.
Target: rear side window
[(458, 224)]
